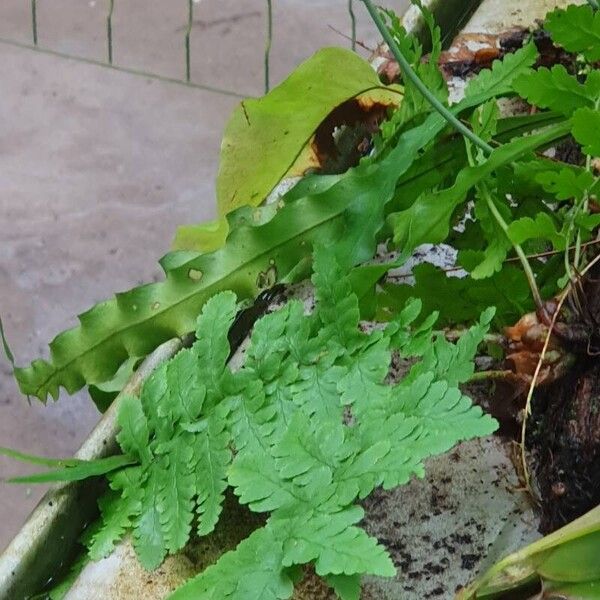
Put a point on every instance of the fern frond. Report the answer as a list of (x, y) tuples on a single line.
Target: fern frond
[(211, 348), (333, 543), (450, 362), (251, 417), (134, 434), (253, 571), (186, 389), (177, 489), (118, 508), (337, 307), (310, 435), (148, 538), (347, 587), (361, 387), (316, 390), (212, 458), (445, 414), (500, 78)]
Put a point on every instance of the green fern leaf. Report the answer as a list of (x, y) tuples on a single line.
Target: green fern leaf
[(258, 484), (177, 488), (408, 339), (252, 571), (347, 587), (305, 448), (155, 398), (212, 346), (566, 183), (453, 363), (251, 417), (586, 124), (576, 29), (118, 509), (148, 538), (499, 80), (542, 227), (556, 90), (316, 389), (187, 388), (134, 434), (268, 346), (111, 528), (305, 464), (337, 307), (212, 458), (445, 414), (333, 543), (392, 453), (361, 386)]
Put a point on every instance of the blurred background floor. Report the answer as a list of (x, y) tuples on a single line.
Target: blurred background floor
[(98, 167)]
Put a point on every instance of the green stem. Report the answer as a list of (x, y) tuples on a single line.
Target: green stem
[(486, 375), (580, 207), (453, 335), (537, 297), (409, 73), (593, 4)]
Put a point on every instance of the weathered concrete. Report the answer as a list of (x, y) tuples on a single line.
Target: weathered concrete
[(98, 167)]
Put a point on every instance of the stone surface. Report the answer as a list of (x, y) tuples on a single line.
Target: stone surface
[(514, 13), (97, 167)]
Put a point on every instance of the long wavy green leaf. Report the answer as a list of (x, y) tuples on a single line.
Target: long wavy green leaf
[(137, 321), (349, 207)]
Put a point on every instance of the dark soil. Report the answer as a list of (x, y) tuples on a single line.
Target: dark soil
[(564, 428), (463, 62)]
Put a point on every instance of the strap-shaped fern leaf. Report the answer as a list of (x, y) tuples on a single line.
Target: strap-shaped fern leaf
[(350, 212)]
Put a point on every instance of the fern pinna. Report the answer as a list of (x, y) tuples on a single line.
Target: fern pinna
[(303, 430)]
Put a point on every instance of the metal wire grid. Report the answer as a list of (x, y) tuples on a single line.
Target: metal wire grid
[(109, 61)]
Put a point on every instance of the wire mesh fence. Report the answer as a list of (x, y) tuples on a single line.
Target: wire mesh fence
[(111, 58)]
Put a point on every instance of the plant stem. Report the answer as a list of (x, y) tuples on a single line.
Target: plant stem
[(409, 73), (453, 335), (584, 207), (593, 4), (487, 375), (537, 297)]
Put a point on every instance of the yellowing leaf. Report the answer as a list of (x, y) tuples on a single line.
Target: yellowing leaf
[(264, 137), (268, 137)]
